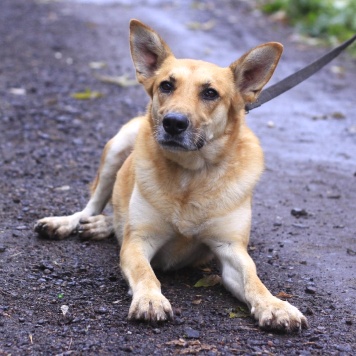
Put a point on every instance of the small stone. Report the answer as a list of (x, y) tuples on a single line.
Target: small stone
[(351, 252), (46, 266), (83, 269), (178, 311), (348, 322), (191, 333), (21, 227), (310, 290), (333, 195), (309, 311), (101, 310), (318, 345), (301, 226), (64, 309), (2, 248), (126, 348), (178, 321), (297, 212), (343, 348), (156, 331)]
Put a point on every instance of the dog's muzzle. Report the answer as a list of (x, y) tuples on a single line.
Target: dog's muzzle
[(175, 133)]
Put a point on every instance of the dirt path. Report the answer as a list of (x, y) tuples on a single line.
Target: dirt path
[(50, 147)]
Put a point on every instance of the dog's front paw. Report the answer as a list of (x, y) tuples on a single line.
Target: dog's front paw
[(57, 227), (279, 315), (150, 307), (97, 227)]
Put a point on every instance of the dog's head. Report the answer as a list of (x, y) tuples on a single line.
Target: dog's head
[(195, 102)]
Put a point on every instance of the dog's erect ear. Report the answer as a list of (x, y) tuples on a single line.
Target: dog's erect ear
[(255, 68), (148, 50)]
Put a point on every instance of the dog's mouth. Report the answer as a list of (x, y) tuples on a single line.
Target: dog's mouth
[(183, 143), (174, 145)]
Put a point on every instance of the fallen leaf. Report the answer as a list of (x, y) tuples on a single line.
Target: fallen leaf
[(97, 65), (279, 16), (208, 281), (123, 80), (284, 295), (239, 312), (87, 95), (199, 5), (197, 301), (179, 342), (205, 269), (338, 115), (63, 188), (203, 26), (196, 348), (337, 69)]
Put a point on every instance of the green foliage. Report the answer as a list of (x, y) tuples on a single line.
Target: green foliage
[(328, 19)]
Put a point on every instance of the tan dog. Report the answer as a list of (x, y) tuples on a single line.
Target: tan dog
[(181, 179)]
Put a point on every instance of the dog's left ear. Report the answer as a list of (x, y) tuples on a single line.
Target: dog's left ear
[(255, 68), (148, 50)]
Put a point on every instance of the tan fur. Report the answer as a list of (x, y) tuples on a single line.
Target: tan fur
[(183, 194)]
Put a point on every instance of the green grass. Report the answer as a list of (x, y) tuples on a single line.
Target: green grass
[(331, 20)]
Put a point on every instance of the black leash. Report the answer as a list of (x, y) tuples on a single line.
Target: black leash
[(298, 77)]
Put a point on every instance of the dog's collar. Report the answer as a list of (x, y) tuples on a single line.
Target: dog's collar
[(298, 77)]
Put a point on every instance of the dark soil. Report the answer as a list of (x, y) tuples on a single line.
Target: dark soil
[(303, 235)]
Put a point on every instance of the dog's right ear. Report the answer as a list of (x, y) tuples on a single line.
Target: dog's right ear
[(148, 50)]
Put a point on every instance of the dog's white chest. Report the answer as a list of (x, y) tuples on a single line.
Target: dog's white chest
[(191, 219)]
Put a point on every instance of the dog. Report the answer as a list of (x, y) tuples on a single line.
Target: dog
[(181, 178)]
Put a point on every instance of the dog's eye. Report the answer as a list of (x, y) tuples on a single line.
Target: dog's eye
[(210, 94), (166, 87)]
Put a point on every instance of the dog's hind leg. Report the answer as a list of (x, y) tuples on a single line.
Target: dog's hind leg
[(89, 222)]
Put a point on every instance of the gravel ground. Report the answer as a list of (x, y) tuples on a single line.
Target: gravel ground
[(303, 235)]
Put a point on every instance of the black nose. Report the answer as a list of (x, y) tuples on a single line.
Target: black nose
[(175, 123)]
